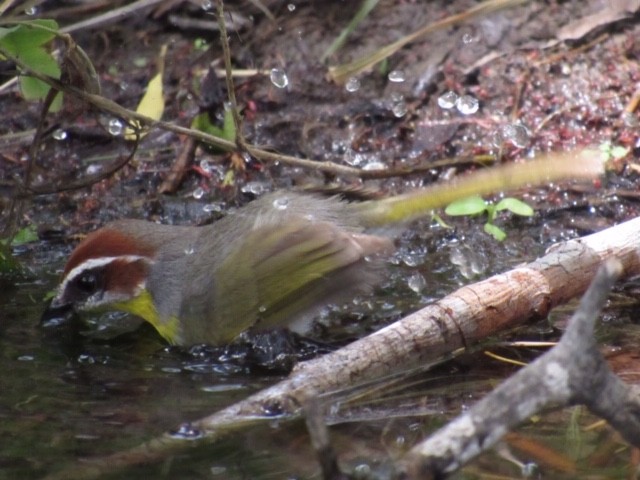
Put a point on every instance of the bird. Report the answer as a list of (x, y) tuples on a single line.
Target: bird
[(273, 262)]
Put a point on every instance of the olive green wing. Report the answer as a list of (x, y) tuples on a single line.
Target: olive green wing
[(279, 273)]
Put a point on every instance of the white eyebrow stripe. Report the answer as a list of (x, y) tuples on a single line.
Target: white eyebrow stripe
[(98, 262)]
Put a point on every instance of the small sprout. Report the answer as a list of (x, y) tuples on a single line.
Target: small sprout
[(438, 219), (200, 44), (495, 231), (515, 206), (475, 205), (613, 152)]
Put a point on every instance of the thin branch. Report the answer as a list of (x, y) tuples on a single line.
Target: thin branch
[(231, 89)]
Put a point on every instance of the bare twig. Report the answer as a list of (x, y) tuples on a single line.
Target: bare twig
[(179, 168)]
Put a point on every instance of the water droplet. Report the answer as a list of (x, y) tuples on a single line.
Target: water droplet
[(171, 370), (262, 309), (529, 469), (396, 76), (374, 165), (399, 109), (469, 262), (31, 11), (115, 127), (467, 104), (254, 188), (447, 100), (186, 431), (362, 471), (205, 165), (412, 258), (207, 5), (355, 159), (516, 134), (218, 470), (630, 120), (86, 359), (26, 358), (291, 7), (279, 78), (398, 106), (189, 250), (198, 193), (468, 38), (213, 207), (59, 134), (401, 441), (352, 85), (281, 203), (94, 168), (417, 283), (223, 387), (273, 409)]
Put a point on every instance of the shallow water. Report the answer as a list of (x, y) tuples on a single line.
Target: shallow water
[(68, 396)]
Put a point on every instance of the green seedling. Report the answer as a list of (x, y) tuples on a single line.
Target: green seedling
[(476, 205), (613, 152)]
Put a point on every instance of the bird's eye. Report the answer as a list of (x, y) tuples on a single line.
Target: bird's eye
[(87, 282)]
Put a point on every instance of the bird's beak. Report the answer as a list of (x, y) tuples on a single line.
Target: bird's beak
[(56, 313)]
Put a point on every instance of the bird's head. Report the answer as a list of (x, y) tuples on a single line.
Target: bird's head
[(108, 271)]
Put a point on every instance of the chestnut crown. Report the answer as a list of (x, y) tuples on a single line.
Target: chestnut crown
[(107, 267)]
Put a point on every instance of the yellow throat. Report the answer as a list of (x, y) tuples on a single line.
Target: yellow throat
[(143, 307)]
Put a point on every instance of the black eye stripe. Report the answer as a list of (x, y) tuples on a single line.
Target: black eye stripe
[(87, 282)]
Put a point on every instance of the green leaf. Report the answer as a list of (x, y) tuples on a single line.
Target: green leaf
[(25, 235), (228, 131), (32, 34), (466, 206), (515, 206), (619, 152), (495, 231), (26, 42)]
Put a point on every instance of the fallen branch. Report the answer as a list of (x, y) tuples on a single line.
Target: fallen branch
[(573, 372), (466, 316)]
